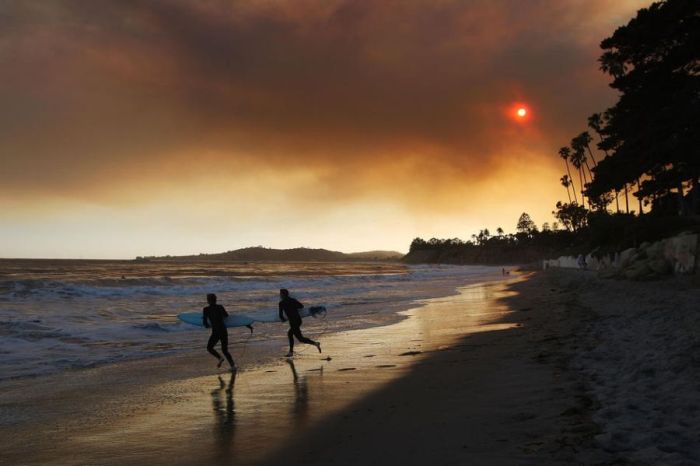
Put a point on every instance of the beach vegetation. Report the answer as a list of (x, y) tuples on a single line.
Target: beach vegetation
[(645, 146), (648, 140)]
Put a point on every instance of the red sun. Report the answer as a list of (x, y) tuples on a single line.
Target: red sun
[(519, 112)]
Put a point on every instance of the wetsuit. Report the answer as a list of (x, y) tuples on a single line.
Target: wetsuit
[(290, 307), (215, 315)]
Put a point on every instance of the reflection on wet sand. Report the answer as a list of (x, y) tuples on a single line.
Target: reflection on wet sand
[(269, 407), (263, 408), (228, 423), (224, 410), (300, 408), (224, 414)]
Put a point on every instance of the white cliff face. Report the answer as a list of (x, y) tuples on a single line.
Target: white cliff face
[(677, 255), (682, 250)]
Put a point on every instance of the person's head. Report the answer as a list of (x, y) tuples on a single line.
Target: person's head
[(284, 293), (211, 298)]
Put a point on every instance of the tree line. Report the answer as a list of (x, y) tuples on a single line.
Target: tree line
[(647, 145), (633, 174)]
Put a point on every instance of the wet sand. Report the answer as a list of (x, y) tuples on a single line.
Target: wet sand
[(456, 382)]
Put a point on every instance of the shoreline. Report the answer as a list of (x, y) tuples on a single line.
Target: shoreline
[(259, 344), (533, 369), (491, 397), (108, 398)]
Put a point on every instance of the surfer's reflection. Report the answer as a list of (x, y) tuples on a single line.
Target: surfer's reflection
[(222, 402), (300, 409)]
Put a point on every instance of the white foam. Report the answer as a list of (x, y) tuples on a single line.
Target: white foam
[(51, 325)]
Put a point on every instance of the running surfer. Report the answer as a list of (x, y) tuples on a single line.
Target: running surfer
[(290, 307), (215, 314)]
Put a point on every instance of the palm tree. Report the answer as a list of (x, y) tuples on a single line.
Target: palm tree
[(577, 159), (565, 153), (585, 139), (579, 146), (639, 188), (566, 182), (595, 122), (499, 230)]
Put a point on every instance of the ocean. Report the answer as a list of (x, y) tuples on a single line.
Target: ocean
[(58, 315)]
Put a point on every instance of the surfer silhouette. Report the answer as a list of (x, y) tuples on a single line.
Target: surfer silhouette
[(290, 307), (215, 314)]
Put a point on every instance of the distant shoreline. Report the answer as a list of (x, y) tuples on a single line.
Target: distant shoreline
[(259, 253), (193, 260)]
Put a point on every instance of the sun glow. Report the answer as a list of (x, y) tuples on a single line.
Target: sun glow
[(519, 112)]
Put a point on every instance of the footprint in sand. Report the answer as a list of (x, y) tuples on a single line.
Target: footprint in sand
[(369, 356), (410, 353), (347, 369), (382, 366)]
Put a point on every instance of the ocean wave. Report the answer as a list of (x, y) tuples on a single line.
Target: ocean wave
[(151, 327), (48, 325), (166, 286)]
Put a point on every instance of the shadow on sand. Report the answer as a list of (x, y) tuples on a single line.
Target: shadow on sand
[(488, 399)]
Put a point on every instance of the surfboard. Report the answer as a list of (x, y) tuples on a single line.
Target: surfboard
[(195, 318), (243, 320), (274, 316)]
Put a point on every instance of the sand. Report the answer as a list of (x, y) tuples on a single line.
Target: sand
[(497, 374), (636, 349)]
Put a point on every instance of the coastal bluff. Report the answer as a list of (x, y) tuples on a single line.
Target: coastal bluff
[(262, 254), (675, 255)]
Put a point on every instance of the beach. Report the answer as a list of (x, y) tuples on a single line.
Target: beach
[(506, 371)]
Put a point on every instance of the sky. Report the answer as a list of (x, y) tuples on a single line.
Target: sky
[(176, 127)]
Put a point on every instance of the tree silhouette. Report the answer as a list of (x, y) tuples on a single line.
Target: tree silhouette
[(578, 144), (651, 132), (585, 140), (525, 225), (565, 153), (566, 182), (577, 158), (572, 216), (595, 122)]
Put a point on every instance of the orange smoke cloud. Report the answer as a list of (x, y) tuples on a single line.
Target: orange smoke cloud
[(330, 104)]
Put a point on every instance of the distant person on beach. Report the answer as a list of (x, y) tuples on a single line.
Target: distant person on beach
[(215, 314), (290, 307), (581, 262)]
